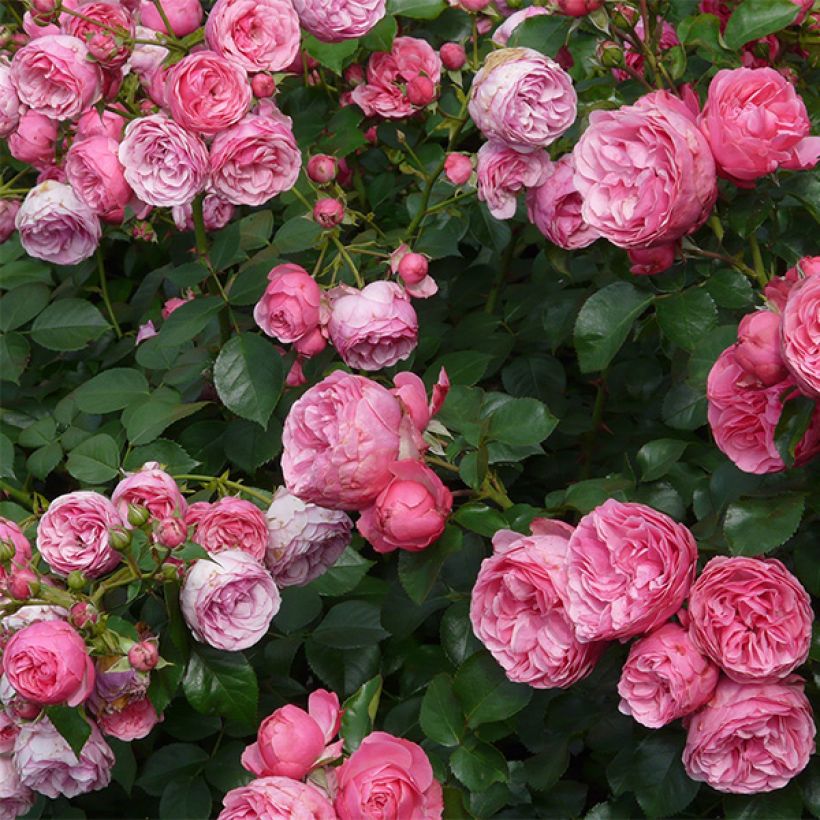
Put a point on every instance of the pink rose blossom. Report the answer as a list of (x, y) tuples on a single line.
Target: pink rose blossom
[(335, 20), (8, 213), (9, 101), (777, 291), (93, 168), (185, 16), (35, 140), (147, 63), (216, 214), (502, 34), (277, 798), (504, 172), (652, 260), (458, 168), (108, 49), (752, 617), (150, 487), (751, 738), (291, 305), (10, 533), (412, 269), (800, 335), (263, 85), (328, 212), (33, 614), (15, 797), (233, 524), (576, 8), (758, 348), (629, 568), (132, 722)]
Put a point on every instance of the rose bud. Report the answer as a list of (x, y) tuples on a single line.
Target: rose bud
[(43, 7), (137, 515), (119, 538), (650, 261), (413, 268), (421, 91), (83, 614), (354, 74), (473, 5), (458, 168), (610, 54), (321, 168), (76, 580), (758, 347), (23, 584), (263, 85), (24, 709), (171, 532), (453, 56), (328, 212), (143, 656), (7, 551), (576, 8), (372, 135)]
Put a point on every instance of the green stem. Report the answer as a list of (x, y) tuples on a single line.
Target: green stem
[(318, 266), (496, 492), (105, 296), (234, 485), (17, 495), (440, 462), (757, 261), (453, 200), (722, 257), (350, 263)]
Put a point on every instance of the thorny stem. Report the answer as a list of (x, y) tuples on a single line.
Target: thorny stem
[(348, 261), (104, 291), (722, 257), (17, 495)]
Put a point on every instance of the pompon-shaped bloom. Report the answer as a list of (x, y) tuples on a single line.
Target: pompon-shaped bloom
[(752, 617), (517, 609), (522, 98), (164, 164), (335, 20), (9, 101), (777, 290), (665, 677), (133, 721), (93, 168), (751, 737), (260, 35), (233, 524), (374, 327), (290, 307), (56, 225), (800, 335), (504, 172), (629, 568), (229, 601), (15, 797), (303, 539), (185, 16), (277, 798), (35, 140), (55, 76), (645, 172), (73, 534), (150, 487), (47, 764), (254, 160), (292, 742), (755, 123)]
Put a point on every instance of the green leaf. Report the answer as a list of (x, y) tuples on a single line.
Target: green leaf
[(684, 408), (521, 422), (124, 770), (754, 526), (297, 234), (685, 317), (480, 518), (221, 683), (44, 459), (546, 33), (441, 718), (418, 571), (456, 632), (330, 55), (95, 461), (730, 289), (42, 432), (111, 390), (478, 765), (176, 761), (380, 37), (255, 230), (147, 419), (22, 304), (792, 425), (783, 804), (341, 670), (249, 446), (185, 798), (225, 248), (604, 322), (540, 377), (344, 576), (6, 457), (72, 724), (14, 355), (754, 19), (656, 457), (359, 712), (416, 9), (351, 625), (187, 321), (68, 324), (300, 606), (224, 771), (485, 693), (248, 376), (168, 453), (23, 272)]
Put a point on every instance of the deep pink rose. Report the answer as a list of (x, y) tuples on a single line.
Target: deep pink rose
[(110, 50), (645, 172), (233, 524), (777, 291), (15, 797), (410, 513), (303, 539), (652, 260), (412, 269), (290, 307), (48, 663), (517, 609), (93, 168), (73, 534), (10, 533), (9, 101), (629, 568), (229, 601), (35, 140), (207, 92), (8, 213), (504, 172), (800, 335), (755, 123), (150, 487), (522, 98), (752, 617), (576, 8), (665, 677), (147, 63), (458, 168), (335, 20), (758, 348), (374, 327), (388, 778), (751, 738), (503, 33), (132, 722), (185, 16), (254, 160), (277, 798)]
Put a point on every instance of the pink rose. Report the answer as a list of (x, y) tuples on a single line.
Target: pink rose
[(47, 764), (665, 677), (275, 798), (412, 269), (260, 35), (54, 76), (9, 101), (800, 335), (93, 123), (110, 50), (233, 524), (388, 778), (133, 721), (504, 172), (502, 34), (48, 663), (35, 140), (15, 797), (458, 168), (758, 348), (150, 487), (207, 92), (374, 327), (254, 160), (328, 212), (522, 98), (290, 307), (752, 617), (517, 609), (8, 213), (185, 16), (576, 8), (216, 214), (229, 601), (652, 260), (410, 513), (292, 742), (335, 20), (321, 168), (645, 173), (751, 738), (629, 568), (8, 734), (777, 291), (93, 168), (10, 533), (303, 539), (33, 614)]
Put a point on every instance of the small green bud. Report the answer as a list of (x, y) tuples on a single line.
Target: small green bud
[(76, 580), (119, 538), (7, 551), (137, 515), (169, 572), (610, 54)]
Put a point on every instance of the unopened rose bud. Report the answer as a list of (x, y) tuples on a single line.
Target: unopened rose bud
[(321, 168), (144, 231), (23, 584), (263, 86), (5, 36), (372, 135), (576, 8), (328, 212), (170, 572), (354, 74), (76, 580), (44, 7), (610, 54), (143, 656), (453, 56), (474, 5), (137, 515), (83, 614), (458, 168), (25, 709), (421, 91), (119, 538), (7, 551), (413, 268), (171, 532)]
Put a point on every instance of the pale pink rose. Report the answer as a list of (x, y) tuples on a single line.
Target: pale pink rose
[(93, 168), (47, 764), (374, 327), (229, 601), (33, 614), (292, 742), (665, 677), (388, 777), (634, 58), (410, 513), (9, 101), (93, 123), (195, 512), (146, 62), (504, 172), (73, 534), (576, 8), (458, 168), (261, 35), (335, 20), (751, 738), (150, 487), (629, 568), (304, 539), (133, 721), (290, 307), (15, 797), (752, 617), (8, 733), (233, 524), (164, 164), (54, 76), (35, 140), (175, 303), (522, 98), (48, 663), (645, 172), (8, 213), (10, 533), (277, 798), (800, 335), (777, 291), (758, 348), (110, 50), (503, 33), (755, 123), (254, 160), (185, 16), (517, 609), (207, 92), (146, 331), (652, 260)]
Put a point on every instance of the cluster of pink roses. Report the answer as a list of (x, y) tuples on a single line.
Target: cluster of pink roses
[(775, 359)]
